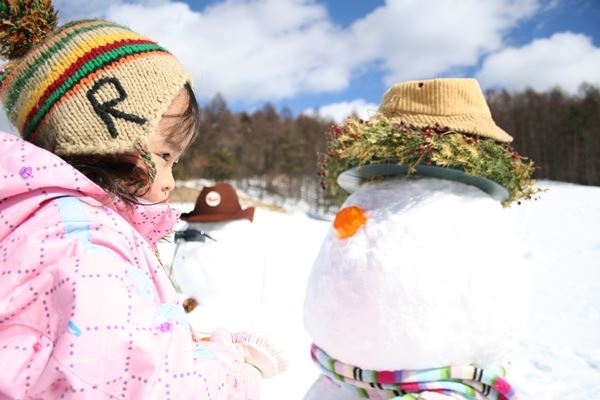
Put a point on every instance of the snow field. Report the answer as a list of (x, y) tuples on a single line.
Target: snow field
[(559, 356)]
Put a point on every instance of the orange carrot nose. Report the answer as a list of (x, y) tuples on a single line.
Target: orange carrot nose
[(348, 220)]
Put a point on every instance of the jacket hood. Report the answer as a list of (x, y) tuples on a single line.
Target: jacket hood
[(31, 176)]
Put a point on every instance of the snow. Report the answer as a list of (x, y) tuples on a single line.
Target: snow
[(560, 355), (228, 265), (422, 284)]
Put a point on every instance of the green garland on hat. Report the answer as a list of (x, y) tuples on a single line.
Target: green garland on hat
[(380, 140)]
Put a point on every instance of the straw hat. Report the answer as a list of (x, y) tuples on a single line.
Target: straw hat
[(218, 203), (440, 128), (456, 103)]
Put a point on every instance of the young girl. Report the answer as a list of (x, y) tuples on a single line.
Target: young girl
[(86, 310)]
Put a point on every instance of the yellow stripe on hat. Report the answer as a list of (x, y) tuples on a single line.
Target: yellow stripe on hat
[(64, 63), (38, 52), (57, 60)]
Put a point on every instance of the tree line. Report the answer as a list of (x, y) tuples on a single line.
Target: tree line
[(276, 152), (560, 132)]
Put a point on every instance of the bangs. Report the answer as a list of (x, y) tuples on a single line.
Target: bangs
[(188, 123), (120, 175)]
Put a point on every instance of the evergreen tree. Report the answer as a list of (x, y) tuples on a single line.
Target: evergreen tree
[(221, 165), (291, 149), (560, 132)]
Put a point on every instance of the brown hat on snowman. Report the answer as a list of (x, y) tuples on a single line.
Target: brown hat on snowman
[(217, 204)]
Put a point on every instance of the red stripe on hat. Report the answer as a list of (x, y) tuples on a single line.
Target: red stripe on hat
[(95, 52)]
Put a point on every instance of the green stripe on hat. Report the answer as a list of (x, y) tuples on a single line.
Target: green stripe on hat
[(22, 79), (89, 67), (4, 75)]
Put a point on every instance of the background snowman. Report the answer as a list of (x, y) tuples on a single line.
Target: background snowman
[(419, 289), (219, 262)]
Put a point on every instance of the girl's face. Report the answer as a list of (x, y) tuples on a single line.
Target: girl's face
[(165, 151)]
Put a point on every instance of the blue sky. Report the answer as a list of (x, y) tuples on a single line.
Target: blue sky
[(341, 55)]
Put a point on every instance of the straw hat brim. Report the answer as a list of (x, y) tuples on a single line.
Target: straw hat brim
[(351, 179)]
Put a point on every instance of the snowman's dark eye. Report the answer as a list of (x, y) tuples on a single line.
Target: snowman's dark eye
[(348, 220)]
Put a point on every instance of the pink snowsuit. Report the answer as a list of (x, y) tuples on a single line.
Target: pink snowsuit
[(86, 310)]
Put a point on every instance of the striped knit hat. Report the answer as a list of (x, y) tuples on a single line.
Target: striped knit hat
[(88, 87)]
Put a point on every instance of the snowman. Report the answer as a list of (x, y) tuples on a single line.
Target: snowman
[(219, 263), (420, 289)]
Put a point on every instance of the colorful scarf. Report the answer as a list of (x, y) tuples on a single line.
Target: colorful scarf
[(454, 382)]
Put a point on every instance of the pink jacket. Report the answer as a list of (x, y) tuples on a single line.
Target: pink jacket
[(86, 310)]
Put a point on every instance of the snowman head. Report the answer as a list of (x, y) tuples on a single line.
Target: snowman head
[(418, 273), (421, 268)]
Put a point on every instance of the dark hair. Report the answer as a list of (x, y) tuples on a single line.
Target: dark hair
[(118, 173)]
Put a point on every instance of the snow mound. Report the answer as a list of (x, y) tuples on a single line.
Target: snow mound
[(435, 277)]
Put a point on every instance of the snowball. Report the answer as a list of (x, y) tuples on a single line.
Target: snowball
[(225, 276), (434, 278)]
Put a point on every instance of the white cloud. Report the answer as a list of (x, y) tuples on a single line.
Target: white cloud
[(565, 59), (256, 50), (338, 112), (248, 50), (420, 39)]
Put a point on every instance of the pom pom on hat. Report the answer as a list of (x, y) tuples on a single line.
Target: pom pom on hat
[(23, 24)]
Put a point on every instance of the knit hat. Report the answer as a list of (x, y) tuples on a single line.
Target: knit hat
[(216, 204), (88, 87), (455, 103), (440, 128)]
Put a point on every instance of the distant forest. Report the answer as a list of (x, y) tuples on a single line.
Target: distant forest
[(277, 152)]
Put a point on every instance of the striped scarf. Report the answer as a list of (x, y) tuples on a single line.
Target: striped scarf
[(455, 382)]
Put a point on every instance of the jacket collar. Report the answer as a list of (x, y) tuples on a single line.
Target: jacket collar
[(31, 176)]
